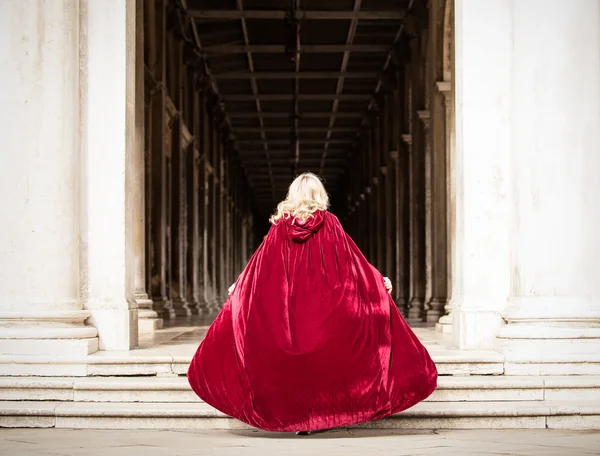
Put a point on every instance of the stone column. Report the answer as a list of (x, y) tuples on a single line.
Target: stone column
[(193, 234), (205, 229), (41, 308), (148, 319), (180, 140), (553, 225), (224, 258), (195, 165), (108, 172), (433, 307), (445, 88), (400, 161), (416, 289), (221, 227), (388, 172), (379, 191), (481, 272), (158, 160), (215, 217)]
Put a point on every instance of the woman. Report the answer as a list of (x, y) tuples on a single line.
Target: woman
[(309, 337)]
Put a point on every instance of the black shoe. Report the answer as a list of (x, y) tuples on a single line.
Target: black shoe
[(303, 433)]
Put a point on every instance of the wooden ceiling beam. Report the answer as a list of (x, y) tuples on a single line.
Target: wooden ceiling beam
[(278, 153), (293, 75), (300, 130), (301, 97), (283, 141), (305, 49), (287, 115), (390, 15)]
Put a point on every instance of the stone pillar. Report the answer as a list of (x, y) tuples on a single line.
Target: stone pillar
[(433, 307), (158, 160), (148, 319), (400, 162), (223, 259), (379, 189), (193, 239), (215, 225), (553, 225), (41, 308), (195, 165), (445, 88), (389, 177), (481, 273), (205, 227), (416, 288), (180, 140), (109, 173)]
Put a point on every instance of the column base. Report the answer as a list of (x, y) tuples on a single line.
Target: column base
[(550, 336), (216, 304), (148, 319), (444, 325), (203, 305), (51, 332), (117, 328), (194, 306), (476, 329), (435, 310), (163, 306), (415, 310), (181, 307)]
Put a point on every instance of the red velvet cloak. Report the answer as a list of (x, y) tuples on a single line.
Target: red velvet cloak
[(310, 339)]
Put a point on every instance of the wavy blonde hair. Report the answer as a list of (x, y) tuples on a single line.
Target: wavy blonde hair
[(306, 196)]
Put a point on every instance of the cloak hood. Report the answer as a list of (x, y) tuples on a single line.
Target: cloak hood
[(301, 231)]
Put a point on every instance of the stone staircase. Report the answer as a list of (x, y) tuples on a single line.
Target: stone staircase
[(147, 389), (154, 402)]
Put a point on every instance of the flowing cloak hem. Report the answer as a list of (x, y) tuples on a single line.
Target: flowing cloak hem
[(291, 352)]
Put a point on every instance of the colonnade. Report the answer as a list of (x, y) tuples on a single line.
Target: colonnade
[(480, 210), (198, 216), (397, 206)]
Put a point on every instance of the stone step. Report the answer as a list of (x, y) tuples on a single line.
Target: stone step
[(177, 389), (155, 361), (197, 415)]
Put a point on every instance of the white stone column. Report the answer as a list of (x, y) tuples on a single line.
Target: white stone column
[(553, 313), (40, 306), (481, 272), (109, 170), (527, 236)]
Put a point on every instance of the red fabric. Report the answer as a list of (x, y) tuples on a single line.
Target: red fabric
[(310, 339)]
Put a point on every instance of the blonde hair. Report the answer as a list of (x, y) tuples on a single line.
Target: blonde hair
[(306, 196)]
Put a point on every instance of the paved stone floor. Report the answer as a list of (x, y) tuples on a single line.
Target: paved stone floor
[(64, 442)]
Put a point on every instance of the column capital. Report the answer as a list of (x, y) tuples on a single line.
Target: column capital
[(172, 113), (384, 170), (375, 181), (407, 138), (186, 136), (425, 117), (444, 87), (394, 155)]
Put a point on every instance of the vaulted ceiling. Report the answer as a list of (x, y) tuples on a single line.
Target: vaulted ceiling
[(293, 112)]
